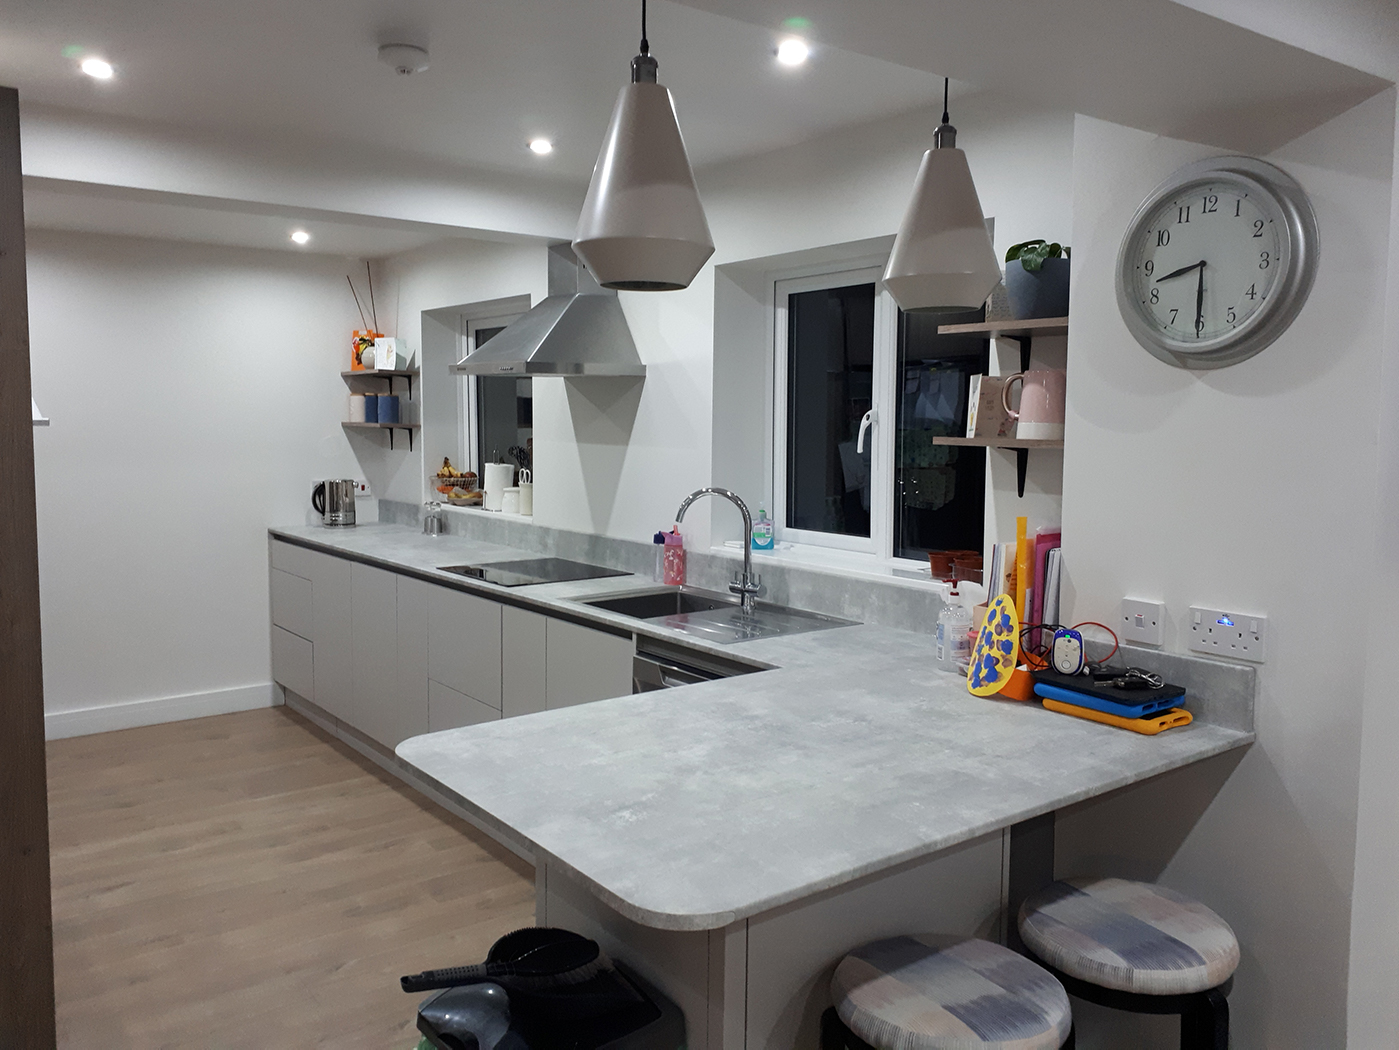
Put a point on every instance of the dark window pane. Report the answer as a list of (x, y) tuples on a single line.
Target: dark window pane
[(939, 490), (830, 375), (504, 411)]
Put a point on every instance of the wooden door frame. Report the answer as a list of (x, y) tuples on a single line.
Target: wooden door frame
[(26, 915)]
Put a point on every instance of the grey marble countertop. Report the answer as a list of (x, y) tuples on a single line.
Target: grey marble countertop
[(690, 808)]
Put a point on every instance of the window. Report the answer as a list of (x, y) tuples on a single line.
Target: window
[(496, 412), (861, 391)]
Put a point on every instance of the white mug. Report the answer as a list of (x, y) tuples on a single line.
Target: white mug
[(510, 500)]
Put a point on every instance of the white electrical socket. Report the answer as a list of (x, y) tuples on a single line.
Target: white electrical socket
[(1143, 622), (362, 489), (1219, 633)]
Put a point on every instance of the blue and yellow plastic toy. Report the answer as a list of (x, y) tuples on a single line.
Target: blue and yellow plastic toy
[(997, 649)]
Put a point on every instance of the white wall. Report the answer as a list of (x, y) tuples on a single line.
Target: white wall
[(194, 394), (1250, 488)]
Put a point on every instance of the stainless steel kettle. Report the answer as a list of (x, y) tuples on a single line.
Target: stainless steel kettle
[(334, 501)]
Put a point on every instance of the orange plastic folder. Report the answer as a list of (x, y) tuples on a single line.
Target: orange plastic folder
[(1148, 726)]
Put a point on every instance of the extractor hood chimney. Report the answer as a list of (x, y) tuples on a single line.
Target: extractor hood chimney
[(579, 330)]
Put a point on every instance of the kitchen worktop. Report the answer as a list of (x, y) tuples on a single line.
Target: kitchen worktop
[(690, 808)]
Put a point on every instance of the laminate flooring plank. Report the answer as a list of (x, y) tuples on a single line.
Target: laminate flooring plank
[(246, 881)]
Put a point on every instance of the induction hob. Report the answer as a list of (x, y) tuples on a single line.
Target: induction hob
[(533, 570)]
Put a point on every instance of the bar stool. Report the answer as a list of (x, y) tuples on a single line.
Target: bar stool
[(944, 993), (1137, 947)]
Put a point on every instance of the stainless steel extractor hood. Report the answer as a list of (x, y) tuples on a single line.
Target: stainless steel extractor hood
[(579, 330)]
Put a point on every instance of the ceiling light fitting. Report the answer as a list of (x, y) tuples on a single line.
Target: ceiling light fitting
[(793, 51), (541, 146), (406, 59), (300, 236), (643, 227), (942, 257), (97, 68)]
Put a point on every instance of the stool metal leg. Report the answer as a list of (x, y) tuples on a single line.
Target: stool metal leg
[(1204, 1025)]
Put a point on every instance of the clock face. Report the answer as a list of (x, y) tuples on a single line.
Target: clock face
[(1217, 262)]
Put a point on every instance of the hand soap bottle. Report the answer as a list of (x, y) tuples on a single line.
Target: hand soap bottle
[(762, 531)]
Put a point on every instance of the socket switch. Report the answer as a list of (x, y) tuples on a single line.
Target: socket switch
[(1143, 622), (362, 489), (1238, 635)]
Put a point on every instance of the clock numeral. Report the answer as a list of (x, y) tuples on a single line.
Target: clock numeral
[(1230, 316), (1209, 204), (1174, 310), (1182, 214), (1263, 260), (1199, 326), (1155, 296), (1149, 267), (1163, 238), (1237, 205), (1252, 292), (1258, 227)]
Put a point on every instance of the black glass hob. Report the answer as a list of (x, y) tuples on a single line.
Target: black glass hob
[(533, 570)]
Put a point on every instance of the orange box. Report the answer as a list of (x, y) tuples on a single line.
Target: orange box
[(1020, 687)]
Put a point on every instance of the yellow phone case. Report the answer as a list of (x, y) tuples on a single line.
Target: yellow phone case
[(1148, 726)]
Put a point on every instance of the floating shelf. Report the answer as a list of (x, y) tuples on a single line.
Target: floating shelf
[(390, 427), (1009, 328), (1002, 442), (387, 374)]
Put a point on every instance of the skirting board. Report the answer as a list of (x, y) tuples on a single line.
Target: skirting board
[(390, 763), (86, 720)]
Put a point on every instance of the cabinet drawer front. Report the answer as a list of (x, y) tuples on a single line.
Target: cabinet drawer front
[(449, 709), (292, 605), (292, 665), (463, 649), (293, 559), (584, 665)]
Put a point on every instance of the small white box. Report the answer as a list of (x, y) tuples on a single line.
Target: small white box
[(390, 354)]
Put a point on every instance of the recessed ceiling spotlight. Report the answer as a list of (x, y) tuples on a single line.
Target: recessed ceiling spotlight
[(793, 51), (541, 146), (300, 236), (406, 59), (97, 68)]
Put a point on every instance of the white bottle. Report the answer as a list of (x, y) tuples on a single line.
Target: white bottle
[(954, 647)]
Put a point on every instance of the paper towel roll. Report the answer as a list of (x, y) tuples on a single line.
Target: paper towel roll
[(499, 477)]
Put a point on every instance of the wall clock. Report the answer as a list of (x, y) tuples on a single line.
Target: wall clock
[(1217, 262)]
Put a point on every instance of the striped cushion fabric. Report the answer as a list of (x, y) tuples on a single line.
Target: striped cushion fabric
[(1131, 936), (949, 993)]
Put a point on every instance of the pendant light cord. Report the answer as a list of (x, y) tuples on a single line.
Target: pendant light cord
[(945, 82), (645, 44)]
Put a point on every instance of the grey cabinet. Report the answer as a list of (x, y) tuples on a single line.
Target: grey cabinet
[(292, 661), (331, 632), (522, 662), (374, 647), (583, 664), (407, 715), (291, 603), (463, 650), (449, 709)]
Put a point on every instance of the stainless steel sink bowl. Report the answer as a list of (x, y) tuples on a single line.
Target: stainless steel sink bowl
[(715, 617)]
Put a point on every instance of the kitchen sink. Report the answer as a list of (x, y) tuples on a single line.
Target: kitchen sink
[(714, 617)]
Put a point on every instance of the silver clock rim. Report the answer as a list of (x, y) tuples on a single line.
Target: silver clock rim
[(1290, 291)]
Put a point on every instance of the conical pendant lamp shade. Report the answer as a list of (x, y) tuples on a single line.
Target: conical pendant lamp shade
[(643, 227), (942, 257)]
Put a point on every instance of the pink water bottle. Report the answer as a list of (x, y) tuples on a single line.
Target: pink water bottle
[(674, 559)]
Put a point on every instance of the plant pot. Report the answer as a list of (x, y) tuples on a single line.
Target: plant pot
[(1039, 294)]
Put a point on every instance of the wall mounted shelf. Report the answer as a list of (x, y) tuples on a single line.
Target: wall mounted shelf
[(388, 374), (390, 427), (1024, 333)]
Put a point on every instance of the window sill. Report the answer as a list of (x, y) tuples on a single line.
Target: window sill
[(481, 511), (850, 564)]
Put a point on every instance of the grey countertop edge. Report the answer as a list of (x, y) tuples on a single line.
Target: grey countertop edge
[(1229, 740)]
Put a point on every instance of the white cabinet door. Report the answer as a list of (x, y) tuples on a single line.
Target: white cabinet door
[(331, 633), (449, 709), (463, 649), (522, 686), (583, 665), (291, 603), (407, 713), (291, 662), (374, 647)]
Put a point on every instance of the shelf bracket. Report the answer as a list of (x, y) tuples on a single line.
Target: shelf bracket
[(1022, 464)]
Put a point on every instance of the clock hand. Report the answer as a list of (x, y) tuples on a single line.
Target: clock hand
[(1177, 273), (1200, 300)]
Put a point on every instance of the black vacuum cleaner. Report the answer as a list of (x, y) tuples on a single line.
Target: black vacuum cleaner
[(544, 989)]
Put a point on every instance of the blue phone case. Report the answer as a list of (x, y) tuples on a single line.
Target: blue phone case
[(1111, 707)]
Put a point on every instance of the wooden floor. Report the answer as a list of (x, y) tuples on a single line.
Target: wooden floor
[(247, 881)]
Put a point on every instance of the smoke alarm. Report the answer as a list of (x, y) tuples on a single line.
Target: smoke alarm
[(406, 59)]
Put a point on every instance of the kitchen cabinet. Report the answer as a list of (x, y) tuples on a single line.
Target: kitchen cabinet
[(408, 714), (464, 643), (292, 661), (374, 647), (331, 633), (583, 664), (449, 709), (291, 603), (522, 661)]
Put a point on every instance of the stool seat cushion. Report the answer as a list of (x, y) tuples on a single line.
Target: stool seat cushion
[(1131, 936), (933, 992)]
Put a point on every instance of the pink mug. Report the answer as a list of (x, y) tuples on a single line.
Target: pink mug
[(1041, 414)]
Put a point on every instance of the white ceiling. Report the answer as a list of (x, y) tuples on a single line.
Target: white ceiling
[(306, 71)]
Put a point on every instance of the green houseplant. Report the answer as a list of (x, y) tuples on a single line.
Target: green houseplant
[(1037, 279)]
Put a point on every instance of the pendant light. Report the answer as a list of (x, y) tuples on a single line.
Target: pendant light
[(942, 257), (643, 227)]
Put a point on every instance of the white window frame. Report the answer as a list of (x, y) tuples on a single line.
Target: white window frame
[(468, 403), (880, 435)]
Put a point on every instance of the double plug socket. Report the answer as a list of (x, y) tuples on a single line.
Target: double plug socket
[(1218, 632)]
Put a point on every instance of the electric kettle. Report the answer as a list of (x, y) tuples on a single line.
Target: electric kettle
[(334, 501)]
